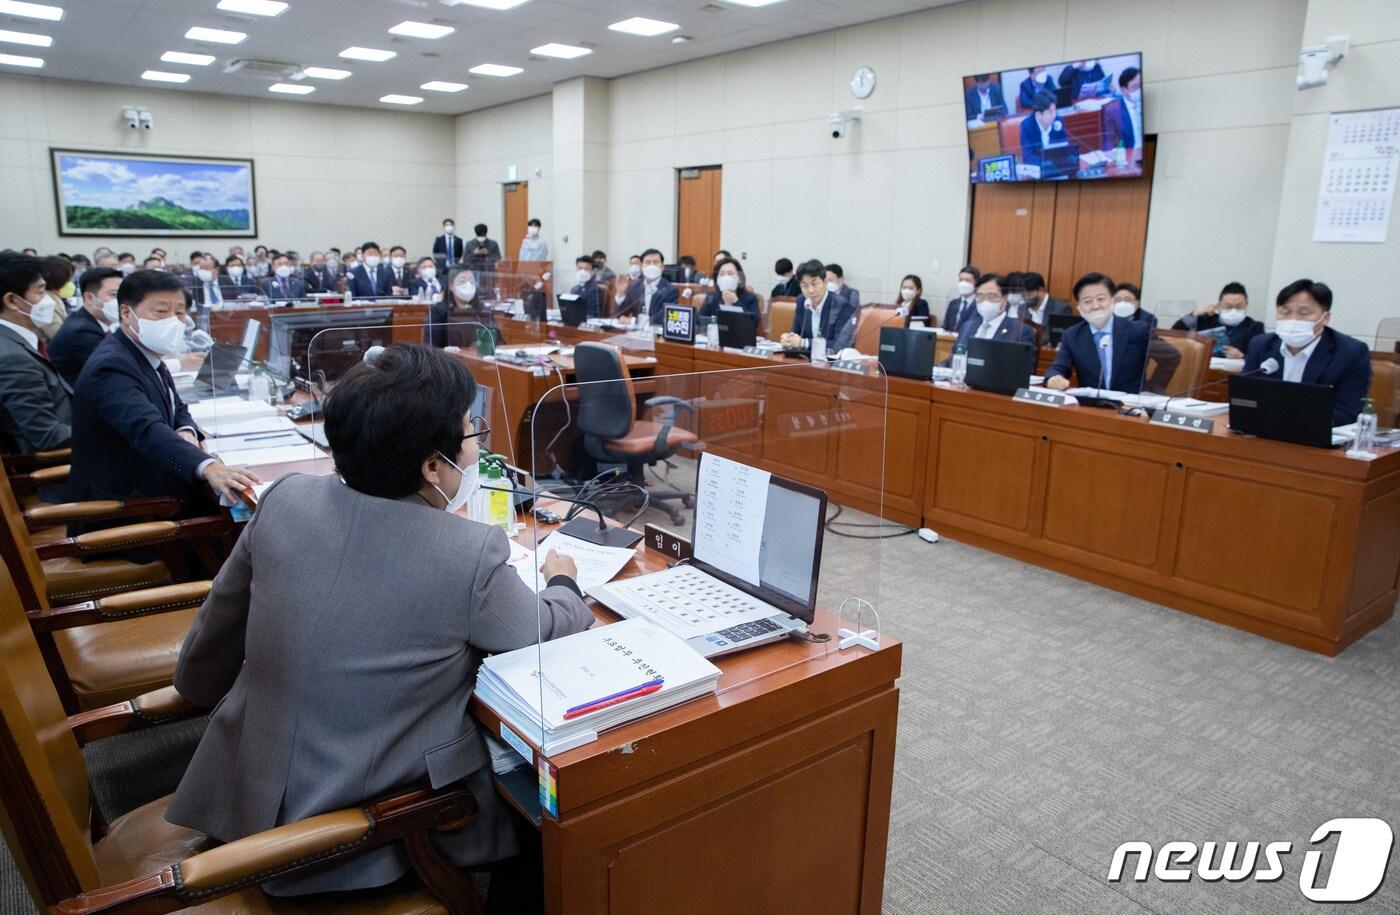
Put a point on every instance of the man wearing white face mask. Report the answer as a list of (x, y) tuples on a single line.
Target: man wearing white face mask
[(1106, 351), (402, 274), (532, 247), (651, 294), (425, 287), (87, 327), (1231, 311), (132, 435), (371, 278), (991, 322), (962, 305), (586, 286), (205, 286), (1309, 351), (286, 283), (36, 404), (836, 284)]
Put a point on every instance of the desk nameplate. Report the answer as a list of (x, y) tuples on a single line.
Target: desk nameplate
[(1183, 421), (1045, 398)]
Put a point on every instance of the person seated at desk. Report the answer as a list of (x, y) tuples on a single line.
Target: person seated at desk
[(58, 288), (371, 278), (983, 96), (651, 294), (1103, 333), (1127, 129), (586, 286), (238, 283), (687, 272), (36, 404), (1305, 349), (634, 267), (425, 286), (992, 321), (962, 305), (284, 284), (787, 281), (602, 272), (836, 282), (204, 285), (89, 325), (1040, 129), (730, 292), (1036, 303), (912, 303), (1040, 82), (1231, 311), (820, 308), (132, 435), (1127, 303), (1079, 74), (460, 304), (401, 275), (309, 610), (1165, 358), (318, 277)]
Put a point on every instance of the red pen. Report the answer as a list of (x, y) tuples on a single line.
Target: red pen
[(581, 710)]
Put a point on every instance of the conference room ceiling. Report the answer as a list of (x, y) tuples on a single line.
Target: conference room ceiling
[(116, 41)]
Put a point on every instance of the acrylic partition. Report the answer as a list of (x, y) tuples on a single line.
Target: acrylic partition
[(713, 486)]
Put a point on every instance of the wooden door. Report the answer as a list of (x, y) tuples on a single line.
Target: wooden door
[(516, 206), (1064, 229), (697, 213)]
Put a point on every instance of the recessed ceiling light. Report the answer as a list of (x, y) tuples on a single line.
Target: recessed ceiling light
[(31, 11), (401, 99), (254, 7), (421, 29), (291, 88), (491, 4), (561, 51), (641, 25), (374, 54), (218, 36), (438, 85), (162, 76), (325, 72), (754, 2), (16, 60), (34, 41), (182, 57), (494, 70)]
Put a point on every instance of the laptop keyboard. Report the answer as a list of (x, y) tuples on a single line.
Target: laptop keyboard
[(688, 602)]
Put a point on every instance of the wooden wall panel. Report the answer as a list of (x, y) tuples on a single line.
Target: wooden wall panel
[(515, 204), (698, 214)]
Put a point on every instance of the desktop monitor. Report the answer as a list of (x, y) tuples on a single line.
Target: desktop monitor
[(292, 332), (251, 332), (907, 352), (1073, 119), (1289, 411), (999, 366), (737, 329)]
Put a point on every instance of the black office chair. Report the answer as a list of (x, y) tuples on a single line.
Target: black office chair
[(612, 434)]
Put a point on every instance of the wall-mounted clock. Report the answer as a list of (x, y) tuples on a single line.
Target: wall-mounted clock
[(863, 83)]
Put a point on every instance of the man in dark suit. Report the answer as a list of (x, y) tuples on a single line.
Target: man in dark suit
[(586, 286), (284, 284), (1307, 350), (962, 306), (1083, 345), (482, 252), (1079, 74), (1041, 128), (89, 325), (1039, 81), (371, 278), (1231, 311), (982, 96), (652, 293), (990, 321), (821, 308), (1037, 305), (447, 247), (132, 435), (426, 287), (787, 281), (399, 270), (317, 277), (836, 282), (687, 272), (36, 408)]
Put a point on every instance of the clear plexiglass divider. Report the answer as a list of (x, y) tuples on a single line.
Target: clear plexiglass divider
[(692, 511)]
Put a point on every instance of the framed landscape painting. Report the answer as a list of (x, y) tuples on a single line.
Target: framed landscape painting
[(103, 193)]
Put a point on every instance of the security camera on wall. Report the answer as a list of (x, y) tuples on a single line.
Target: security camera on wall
[(132, 117), (840, 121), (147, 122), (1314, 62)]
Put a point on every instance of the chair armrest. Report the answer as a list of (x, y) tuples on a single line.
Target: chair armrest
[(145, 711), (25, 483), (676, 402), (164, 599), (23, 463), (100, 510), (129, 536), (287, 849)]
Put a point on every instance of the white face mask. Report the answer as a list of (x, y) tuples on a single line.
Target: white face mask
[(1124, 309), (1014, 299), (465, 291), (397, 262), (236, 272), (533, 231), (284, 271), (727, 282), (1098, 320), (204, 276), (427, 273), (163, 337), (448, 229), (1232, 317), (652, 271), (583, 276), (41, 312), (1295, 333), (964, 288), (371, 261), (111, 310), (833, 288), (907, 293), (988, 310), (467, 486), (634, 270), (127, 269)]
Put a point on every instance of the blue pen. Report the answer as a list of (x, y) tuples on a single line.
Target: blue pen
[(626, 692)]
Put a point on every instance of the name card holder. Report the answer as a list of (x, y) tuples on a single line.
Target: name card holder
[(855, 366), (668, 542), (1183, 421), (1044, 398)]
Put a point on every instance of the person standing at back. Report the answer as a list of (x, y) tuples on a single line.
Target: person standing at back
[(482, 252), (447, 247), (532, 247)]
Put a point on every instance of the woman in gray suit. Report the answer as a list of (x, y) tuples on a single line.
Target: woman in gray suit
[(341, 639)]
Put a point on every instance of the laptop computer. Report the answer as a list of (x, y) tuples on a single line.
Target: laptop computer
[(999, 366), (745, 584), (737, 329), (1288, 411), (1059, 161), (217, 372), (571, 309), (1056, 325), (907, 352)]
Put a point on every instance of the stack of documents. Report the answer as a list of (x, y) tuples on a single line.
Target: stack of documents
[(597, 565), (561, 694)]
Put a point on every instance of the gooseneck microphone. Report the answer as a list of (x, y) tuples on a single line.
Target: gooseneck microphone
[(601, 534)]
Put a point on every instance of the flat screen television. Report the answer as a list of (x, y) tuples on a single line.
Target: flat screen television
[(1076, 119)]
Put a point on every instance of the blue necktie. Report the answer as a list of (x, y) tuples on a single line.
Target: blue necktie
[(1106, 363)]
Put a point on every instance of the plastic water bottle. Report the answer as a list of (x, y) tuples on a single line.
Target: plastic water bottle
[(1364, 445), (818, 345), (498, 501), (959, 364), (712, 333), (259, 389)]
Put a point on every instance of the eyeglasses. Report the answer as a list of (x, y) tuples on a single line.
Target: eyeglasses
[(479, 428)]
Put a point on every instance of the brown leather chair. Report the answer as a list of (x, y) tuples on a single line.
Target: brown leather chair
[(1194, 351), (780, 312), (1385, 388), (109, 628), (872, 318), (141, 863), (1010, 127)]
